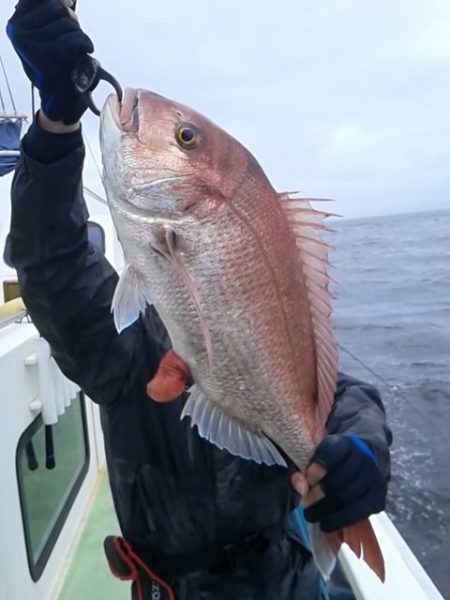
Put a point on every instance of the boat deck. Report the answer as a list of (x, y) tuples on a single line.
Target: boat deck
[(88, 575)]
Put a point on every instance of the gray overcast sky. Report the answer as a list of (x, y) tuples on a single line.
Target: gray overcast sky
[(343, 99)]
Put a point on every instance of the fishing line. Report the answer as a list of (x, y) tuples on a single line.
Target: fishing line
[(93, 156), (2, 102), (394, 388), (33, 102), (358, 360), (8, 86), (87, 190), (94, 195)]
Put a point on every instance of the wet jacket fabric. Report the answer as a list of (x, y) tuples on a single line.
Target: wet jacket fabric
[(174, 493)]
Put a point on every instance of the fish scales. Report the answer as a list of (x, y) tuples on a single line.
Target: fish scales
[(252, 296)]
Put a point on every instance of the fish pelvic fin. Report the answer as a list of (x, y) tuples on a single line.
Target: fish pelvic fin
[(361, 539), (227, 433), (130, 298), (307, 225)]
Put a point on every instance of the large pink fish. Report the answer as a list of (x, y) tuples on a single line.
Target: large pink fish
[(238, 274)]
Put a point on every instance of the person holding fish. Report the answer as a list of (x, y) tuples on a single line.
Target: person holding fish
[(221, 316)]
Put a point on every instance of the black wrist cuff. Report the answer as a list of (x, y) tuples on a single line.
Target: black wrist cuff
[(46, 147)]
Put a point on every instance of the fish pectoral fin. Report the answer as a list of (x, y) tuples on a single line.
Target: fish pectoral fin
[(166, 243), (129, 300), (227, 433)]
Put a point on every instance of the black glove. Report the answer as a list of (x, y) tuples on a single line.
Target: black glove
[(49, 43), (354, 487)]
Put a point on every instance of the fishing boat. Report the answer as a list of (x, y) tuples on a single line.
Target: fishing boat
[(56, 507)]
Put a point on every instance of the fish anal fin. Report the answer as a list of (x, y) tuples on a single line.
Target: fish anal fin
[(227, 433), (307, 226)]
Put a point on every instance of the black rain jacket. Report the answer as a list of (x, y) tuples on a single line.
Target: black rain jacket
[(174, 493)]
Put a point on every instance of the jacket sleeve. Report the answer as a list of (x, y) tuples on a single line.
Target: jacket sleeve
[(358, 409), (66, 283)]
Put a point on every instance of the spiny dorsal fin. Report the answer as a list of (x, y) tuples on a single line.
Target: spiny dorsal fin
[(307, 225)]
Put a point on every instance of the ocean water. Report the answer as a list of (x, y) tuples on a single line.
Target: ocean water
[(392, 312)]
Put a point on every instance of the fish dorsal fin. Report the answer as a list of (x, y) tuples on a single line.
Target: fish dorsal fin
[(307, 225), (227, 433), (129, 300)]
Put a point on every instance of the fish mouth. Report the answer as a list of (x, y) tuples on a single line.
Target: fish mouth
[(125, 114)]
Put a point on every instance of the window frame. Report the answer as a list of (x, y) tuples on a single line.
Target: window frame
[(7, 285), (38, 567)]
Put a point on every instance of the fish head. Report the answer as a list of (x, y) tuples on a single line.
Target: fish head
[(164, 157)]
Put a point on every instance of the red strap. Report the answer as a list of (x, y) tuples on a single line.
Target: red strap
[(124, 550)]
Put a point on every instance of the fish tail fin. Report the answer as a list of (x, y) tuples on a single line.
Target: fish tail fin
[(360, 537)]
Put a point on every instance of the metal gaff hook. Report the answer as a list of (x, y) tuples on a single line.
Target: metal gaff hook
[(87, 75)]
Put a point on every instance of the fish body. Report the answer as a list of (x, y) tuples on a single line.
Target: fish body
[(237, 272)]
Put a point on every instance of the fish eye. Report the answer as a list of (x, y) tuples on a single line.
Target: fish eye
[(187, 136)]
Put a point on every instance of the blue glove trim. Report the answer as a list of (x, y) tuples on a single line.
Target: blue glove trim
[(362, 447), (36, 73), (46, 104)]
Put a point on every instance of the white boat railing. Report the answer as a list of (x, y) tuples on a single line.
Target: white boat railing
[(406, 579), (12, 312), (15, 318)]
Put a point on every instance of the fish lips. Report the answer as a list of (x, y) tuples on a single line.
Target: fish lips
[(125, 115), (118, 120)]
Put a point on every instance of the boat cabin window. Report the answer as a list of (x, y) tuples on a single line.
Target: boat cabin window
[(96, 235), (52, 463), (11, 290)]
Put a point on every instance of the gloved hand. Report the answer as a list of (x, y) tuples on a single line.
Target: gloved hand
[(49, 42), (342, 485)]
